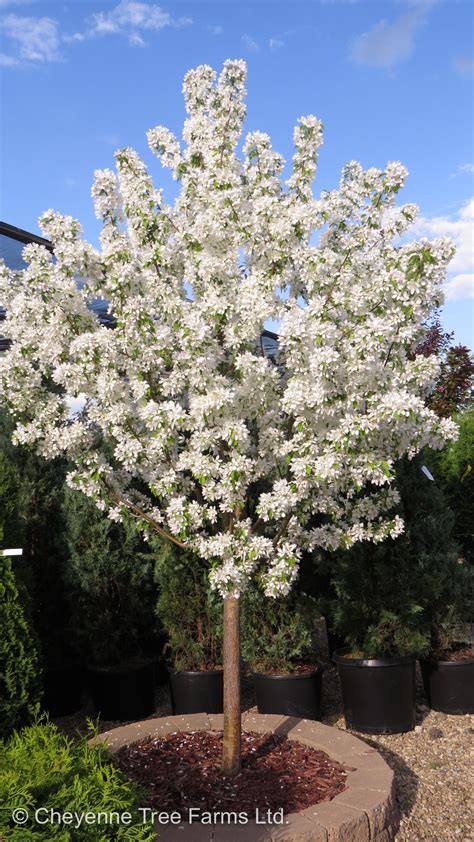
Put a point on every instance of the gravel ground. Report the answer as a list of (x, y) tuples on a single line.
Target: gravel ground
[(433, 768), (433, 764)]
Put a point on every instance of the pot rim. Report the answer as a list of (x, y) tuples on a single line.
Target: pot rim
[(318, 668), (395, 661), (437, 662), (173, 672)]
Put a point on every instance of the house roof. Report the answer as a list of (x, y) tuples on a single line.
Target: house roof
[(12, 240)]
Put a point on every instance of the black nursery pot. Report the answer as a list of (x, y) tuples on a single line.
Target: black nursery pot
[(124, 692), (294, 694), (63, 686), (449, 685), (197, 692), (378, 694)]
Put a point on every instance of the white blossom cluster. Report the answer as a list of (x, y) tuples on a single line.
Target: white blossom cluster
[(186, 423)]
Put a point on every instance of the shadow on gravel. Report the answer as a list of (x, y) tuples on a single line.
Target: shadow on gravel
[(331, 703), (406, 782)]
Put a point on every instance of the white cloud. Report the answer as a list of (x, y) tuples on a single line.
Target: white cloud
[(4, 3), (76, 37), (136, 40), (463, 169), (34, 39), (39, 39), (8, 61), (460, 287), (275, 43), (131, 15), (459, 228), (250, 43), (387, 44), (464, 66)]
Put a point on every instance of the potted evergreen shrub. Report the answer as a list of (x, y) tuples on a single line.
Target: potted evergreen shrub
[(448, 670), (397, 603), (447, 583), (191, 616), (381, 609), (377, 668), (277, 646), (112, 594)]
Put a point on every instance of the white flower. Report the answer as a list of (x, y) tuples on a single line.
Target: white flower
[(236, 455)]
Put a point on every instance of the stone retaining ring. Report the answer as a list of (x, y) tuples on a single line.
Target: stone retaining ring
[(365, 812)]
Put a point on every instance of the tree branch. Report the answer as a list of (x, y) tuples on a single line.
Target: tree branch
[(282, 528), (139, 513), (390, 349), (258, 523)]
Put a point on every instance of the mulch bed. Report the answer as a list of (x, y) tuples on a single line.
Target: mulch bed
[(182, 770), (296, 669), (463, 653)]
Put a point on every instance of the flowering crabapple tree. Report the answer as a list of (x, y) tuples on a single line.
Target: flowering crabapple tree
[(186, 424)]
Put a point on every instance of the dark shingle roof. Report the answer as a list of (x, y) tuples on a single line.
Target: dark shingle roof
[(12, 240)]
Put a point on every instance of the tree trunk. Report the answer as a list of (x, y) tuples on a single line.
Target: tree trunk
[(232, 719)]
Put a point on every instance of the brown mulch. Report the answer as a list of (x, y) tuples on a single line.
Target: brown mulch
[(182, 770), (464, 653), (433, 770), (296, 669)]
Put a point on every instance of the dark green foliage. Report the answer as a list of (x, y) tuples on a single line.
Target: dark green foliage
[(31, 491), (109, 578), (10, 516), (393, 598), (20, 685), (191, 614), (454, 471), (277, 633), (41, 768), (45, 552), (85, 582), (446, 575)]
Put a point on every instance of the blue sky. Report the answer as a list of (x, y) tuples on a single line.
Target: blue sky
[(391, 80)]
